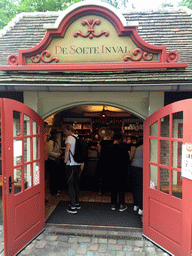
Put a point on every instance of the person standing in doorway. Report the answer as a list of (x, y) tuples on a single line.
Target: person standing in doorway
[(118, 161), (54, 154), (46, 151), (137, 177), (72, 169)]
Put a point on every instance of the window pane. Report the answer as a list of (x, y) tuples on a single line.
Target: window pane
[(164, 180), (177, 154), (154, 129), (35, 128), (153, 177), (17, 147), (26, 125), (16, 124), (27, 175), (165, 126), (177, 184), (36, 174), (178, 125), (164, 152), (27, 155), (153, 151), (35, 148), (17, 180)]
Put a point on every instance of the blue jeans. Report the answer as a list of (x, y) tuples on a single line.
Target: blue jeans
[(72, 175)]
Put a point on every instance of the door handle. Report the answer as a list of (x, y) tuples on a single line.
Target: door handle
[(10, 184)]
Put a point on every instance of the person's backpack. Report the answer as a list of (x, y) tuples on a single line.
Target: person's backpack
[(81, 150)]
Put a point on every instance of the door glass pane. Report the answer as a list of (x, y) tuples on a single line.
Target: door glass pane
[(164, 152), (35, 148), (154, 129), (153, 151), (27, 176), (17, 180), (36, 174), (35, 128), (16, 123), (17, 147), (165, 126), (26, 125), (177, 154), (177, 184), (178, 125), (153, 177), (164, 180), (27, 150)]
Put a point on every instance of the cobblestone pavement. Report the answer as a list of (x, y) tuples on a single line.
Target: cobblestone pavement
[(57, 240)]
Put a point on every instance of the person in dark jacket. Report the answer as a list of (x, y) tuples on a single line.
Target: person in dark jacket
[(137, 177), (118, 160)]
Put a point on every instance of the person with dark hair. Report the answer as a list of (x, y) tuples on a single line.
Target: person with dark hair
[(54, 154), (118, 161), (72, 169), (46, 151), (137, 177)]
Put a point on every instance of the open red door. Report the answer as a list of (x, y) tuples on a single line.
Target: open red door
[(167, 209), (23, 175)]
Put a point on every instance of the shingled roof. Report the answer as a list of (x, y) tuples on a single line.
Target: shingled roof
[(169, 27)]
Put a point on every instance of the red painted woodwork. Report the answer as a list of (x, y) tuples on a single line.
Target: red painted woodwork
[(23, 207), (167, 217), (166, 60)]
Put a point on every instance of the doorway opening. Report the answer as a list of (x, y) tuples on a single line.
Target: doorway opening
[(93, 123)]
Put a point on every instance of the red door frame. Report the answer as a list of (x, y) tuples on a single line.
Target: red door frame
[(181, 207), (20, 221)]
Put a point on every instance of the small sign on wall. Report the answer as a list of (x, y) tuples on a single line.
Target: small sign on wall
[(187, 161)]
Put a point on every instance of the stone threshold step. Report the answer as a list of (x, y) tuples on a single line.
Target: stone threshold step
[(96, 231)]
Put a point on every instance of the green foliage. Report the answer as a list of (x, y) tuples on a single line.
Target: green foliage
[(166, 4), (10, 8), (7, 12), (187, 3)]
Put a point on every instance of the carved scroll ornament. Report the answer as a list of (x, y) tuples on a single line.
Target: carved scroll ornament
[(142, 55), (90, 33), (41, 57)]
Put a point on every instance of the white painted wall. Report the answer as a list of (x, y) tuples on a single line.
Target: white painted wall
[(142, 104)]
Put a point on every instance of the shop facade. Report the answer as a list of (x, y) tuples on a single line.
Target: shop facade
[(94, 55)]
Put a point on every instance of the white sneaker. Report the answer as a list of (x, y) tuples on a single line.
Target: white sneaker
[(135, 208), (140, 212)]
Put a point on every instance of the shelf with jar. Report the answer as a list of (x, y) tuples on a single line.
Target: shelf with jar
[(83, 129)]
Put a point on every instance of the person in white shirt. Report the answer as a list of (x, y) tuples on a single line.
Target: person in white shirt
[(72, 169)]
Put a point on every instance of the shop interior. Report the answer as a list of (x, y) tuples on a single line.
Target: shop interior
[(93, 123)]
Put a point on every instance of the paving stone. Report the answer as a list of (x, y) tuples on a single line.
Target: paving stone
[(81, 250), (127, 248), (115, 247), (94, 240), (120, 253), (93, 247), (112, 241), (139, 243), (102, 248), (41, 244), (84, 239), (63, 238), (121, 241), (102, 240), (71, 252), (137, 249), (51, 238), (73, 239)]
